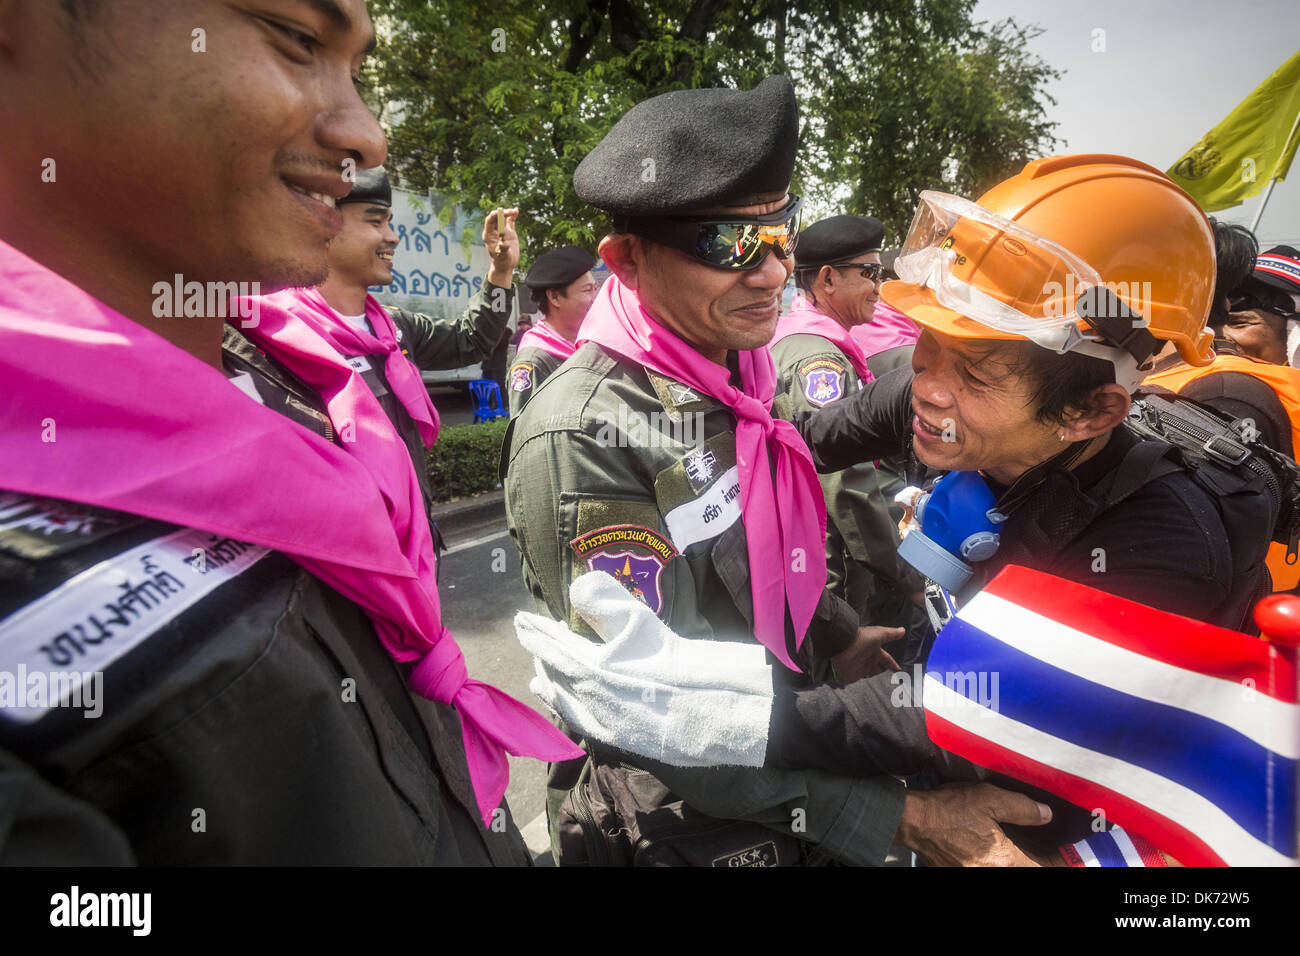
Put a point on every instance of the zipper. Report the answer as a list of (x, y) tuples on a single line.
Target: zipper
[(592, 834)]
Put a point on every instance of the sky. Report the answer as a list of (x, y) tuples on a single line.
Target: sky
[(1169, 73)]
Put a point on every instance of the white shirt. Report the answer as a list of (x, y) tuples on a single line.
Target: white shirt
[(358, 322)]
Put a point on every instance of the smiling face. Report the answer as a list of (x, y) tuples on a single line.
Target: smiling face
[(1257, 333), (846, 294), (714, 310), (362, 254), (189, 137), (973, 411), (568, 306)]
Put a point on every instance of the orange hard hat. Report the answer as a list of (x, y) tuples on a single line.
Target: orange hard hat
[(1014, 264)]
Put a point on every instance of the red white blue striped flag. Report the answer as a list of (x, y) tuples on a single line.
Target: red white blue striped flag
[(1178, 731)]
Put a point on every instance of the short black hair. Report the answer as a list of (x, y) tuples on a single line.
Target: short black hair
[(1060, 383), (1235, 251), (541, 300), (804, 279)]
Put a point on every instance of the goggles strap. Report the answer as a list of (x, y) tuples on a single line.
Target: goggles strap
[(1116, 323)]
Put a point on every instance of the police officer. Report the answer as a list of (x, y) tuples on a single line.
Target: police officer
[(241, 579), (562, 289), (389, 346), (652, 455), (837, 269)]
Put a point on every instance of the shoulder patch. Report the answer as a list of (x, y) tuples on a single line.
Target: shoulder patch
[(37, 528), (678, 398), (823, 381), (633, 554), (521, 377)]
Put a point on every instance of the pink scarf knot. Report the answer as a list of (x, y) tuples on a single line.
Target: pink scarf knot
[(440, 673)]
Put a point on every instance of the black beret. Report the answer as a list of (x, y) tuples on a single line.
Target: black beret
[(559, 267), (684, 151), (836, 239), (371, 186)]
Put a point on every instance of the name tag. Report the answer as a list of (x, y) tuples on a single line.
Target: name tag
[(359, 362), (708, 515), (92, 620)]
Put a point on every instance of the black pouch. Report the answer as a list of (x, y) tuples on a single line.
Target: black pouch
[(619, 815)]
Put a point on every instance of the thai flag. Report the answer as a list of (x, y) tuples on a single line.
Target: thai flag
[(1183, 733)]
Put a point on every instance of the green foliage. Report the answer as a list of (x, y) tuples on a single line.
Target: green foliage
[(497, 104), (463, 461)]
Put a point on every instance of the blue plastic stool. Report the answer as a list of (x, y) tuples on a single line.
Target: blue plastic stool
[(487, 400)]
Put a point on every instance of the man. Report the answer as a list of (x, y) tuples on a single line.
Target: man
[(652, 455), (1248, 380), (837, 270), (1263, 321), (563, 289), (213, 525), (387, 346)]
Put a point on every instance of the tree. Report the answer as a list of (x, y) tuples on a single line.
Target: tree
[(499, 105)]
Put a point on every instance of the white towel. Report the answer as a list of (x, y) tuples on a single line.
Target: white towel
[(647, 691)]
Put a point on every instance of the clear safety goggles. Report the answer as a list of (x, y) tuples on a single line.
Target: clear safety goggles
[(994, 270)]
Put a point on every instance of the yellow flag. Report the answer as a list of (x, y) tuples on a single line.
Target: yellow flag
[(1255, 143)]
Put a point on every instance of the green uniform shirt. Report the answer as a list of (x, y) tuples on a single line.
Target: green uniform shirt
[(613, 467), (861, 536), (530, 368)]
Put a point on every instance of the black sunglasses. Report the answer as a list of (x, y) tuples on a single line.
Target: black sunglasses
[(871, 271), (737, 243)]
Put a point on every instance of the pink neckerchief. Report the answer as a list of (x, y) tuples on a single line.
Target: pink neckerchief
[(804, 319), (888, 329), (542, 336), (402, 375), (146, 428), (785, 522)]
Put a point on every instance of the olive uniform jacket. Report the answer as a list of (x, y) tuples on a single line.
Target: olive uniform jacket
[(248, 714), (531, 367), (862, 562), (613, 467)]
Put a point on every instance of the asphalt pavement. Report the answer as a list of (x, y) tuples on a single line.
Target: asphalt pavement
[(453, 404), (481, 588)]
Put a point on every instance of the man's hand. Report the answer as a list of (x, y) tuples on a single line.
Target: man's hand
[(502, 246), (866, 657), (957, 825)]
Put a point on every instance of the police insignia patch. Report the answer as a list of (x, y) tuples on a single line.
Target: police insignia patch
[(521, 377), (619, 550), (823, 381), (701, 465)]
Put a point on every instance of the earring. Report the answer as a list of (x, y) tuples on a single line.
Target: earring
[(1061, 436)]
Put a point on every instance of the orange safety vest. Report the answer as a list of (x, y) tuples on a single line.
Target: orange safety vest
[(1285, 382)]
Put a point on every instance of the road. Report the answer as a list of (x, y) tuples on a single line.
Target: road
[(481, 589), (453, 404)]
